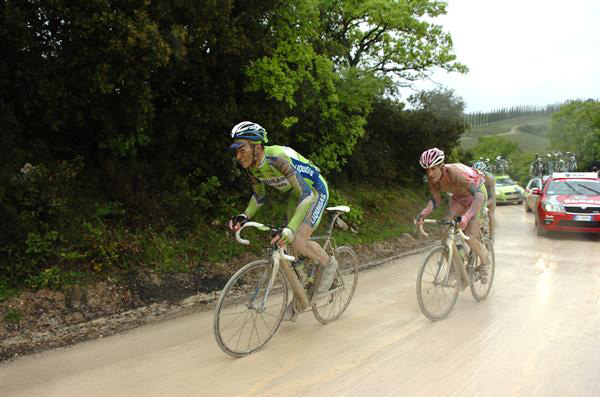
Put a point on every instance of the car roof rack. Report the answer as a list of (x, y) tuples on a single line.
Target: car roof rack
[(592, 175)]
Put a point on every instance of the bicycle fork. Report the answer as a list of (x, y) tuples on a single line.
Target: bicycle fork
[(456, 260)]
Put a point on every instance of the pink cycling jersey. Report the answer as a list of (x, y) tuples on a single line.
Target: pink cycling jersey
[(460, 180)]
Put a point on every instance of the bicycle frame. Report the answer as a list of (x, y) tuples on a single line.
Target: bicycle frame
[(283, 260), (450, 245)]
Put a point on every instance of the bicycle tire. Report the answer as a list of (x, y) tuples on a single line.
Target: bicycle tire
[(241, 299), (478, 290), (332, 306), (425, 296)]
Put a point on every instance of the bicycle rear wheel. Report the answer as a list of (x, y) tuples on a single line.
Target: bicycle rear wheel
[(332, 306), (245, 319), (481, 291), (436, 292)]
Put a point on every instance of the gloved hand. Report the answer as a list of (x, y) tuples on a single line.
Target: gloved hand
[(285, 236), (419, 219), (237, 221), (464, 222)]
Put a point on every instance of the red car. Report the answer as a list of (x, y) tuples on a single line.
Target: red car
[(568, 201)]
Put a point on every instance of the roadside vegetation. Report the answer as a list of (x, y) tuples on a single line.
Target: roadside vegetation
[(115, 120)]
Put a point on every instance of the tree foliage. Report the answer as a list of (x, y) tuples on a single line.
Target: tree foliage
[(576, 128), (396, 137), (139, 98), (388, 38)]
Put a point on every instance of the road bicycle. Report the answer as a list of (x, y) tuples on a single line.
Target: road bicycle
[(449, 269), (252, 304)]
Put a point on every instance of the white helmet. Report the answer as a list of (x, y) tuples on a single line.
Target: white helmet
[(431, 158)]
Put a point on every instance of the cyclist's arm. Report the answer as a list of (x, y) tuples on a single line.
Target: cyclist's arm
[(434, 202), (258, 197), (301, 189)]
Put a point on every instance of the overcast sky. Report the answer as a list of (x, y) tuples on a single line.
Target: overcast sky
[(523, 52)]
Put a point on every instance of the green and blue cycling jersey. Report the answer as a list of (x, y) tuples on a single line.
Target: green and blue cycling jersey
[(288, 171)]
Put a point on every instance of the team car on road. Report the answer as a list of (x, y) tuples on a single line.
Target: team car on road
[(568, 201), (507, 190)]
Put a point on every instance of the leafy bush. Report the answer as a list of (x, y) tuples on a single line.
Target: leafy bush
[(54, 278), (12, 316)]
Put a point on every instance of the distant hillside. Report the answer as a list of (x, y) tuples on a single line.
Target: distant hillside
[(530, 132)]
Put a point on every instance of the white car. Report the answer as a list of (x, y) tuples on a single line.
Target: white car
[(531, 200)]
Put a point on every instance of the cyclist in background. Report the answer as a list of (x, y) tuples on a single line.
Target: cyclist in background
[(287, 171), (468, 196), (490, 187)]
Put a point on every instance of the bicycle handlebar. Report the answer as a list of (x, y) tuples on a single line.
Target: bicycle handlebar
[(264, 228), (257, 225), (440, 222)]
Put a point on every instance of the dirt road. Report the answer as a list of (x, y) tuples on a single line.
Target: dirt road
[(538, 333)]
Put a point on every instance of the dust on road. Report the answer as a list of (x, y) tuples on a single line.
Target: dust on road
[(538, 333)]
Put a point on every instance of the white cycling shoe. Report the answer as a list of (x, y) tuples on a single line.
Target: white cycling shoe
[(290, 314), (327, 276)]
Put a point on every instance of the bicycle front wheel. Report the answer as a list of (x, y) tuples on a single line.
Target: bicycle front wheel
[(332, 306), (437, 285), (246, 317), (481, 291)]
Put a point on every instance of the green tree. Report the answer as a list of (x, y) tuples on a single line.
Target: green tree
[(576, 128), (396, 137), (493, 146), (388, 38)]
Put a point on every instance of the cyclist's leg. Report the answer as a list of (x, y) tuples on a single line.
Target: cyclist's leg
[(492, 219), (302, 242), (312, 249), (472, 229), (455, 208)]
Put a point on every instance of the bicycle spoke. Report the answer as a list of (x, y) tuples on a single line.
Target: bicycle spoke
[(437, 285), (233, 313), (253, 329), (266, 324), (231, 322), (333, 305), (239, 330)]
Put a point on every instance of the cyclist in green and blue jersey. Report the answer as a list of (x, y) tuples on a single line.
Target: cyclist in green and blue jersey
[(287, 171)]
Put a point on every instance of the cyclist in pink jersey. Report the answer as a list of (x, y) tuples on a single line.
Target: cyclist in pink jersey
[(468, 196)]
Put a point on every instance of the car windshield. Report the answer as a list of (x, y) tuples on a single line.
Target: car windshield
[(579, 187), (505, 182)]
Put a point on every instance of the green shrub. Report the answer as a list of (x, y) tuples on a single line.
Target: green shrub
[(54, 278), (12, 316), (40, 248)]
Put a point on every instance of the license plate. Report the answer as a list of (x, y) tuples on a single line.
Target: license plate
[(583, 217)]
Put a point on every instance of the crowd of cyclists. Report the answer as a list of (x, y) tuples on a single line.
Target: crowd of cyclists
[(556, 162), (540, 166), (498, 166)]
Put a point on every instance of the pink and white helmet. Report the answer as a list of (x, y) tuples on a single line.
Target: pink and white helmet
[(431, 158)]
